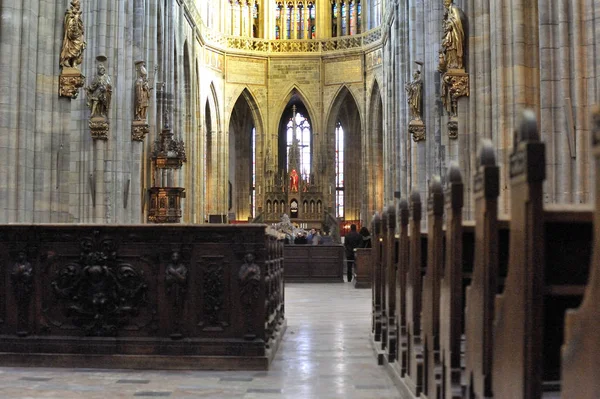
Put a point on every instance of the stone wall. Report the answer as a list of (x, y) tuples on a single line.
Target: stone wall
[(520, 54)]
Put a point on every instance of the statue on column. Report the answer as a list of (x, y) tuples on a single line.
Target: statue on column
[(139, 127), (71, 54), (414, 91), (99, 94), (454, 80), (454, 36)]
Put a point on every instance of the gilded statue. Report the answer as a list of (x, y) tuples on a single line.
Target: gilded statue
[(99, 92), (73, 44), (142, 92), (414, 91), (453, 40)]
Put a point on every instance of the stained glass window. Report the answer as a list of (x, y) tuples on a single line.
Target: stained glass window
[(339, 170), (303, 133), (300, 21), (359, 17), (288, 21), (352, 20), (344, 14), (253, 188)]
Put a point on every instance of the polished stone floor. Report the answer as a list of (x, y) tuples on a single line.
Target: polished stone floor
[(325, 354)]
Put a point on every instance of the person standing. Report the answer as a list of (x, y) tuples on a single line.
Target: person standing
[(352, 241)]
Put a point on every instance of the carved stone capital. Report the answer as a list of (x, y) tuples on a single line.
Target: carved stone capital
[(458, 83), (139, 130), (453, 128), (416, 128), (99, 128), (69, 82)]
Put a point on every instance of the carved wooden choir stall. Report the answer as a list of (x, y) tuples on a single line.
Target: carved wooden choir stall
[(478, 310), (141, 296)]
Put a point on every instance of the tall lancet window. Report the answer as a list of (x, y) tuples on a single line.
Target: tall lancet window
[(278, 20), (255, 20), (344, 19), (288, 20), (313, 19), (339, 170), (334, 19), (298, 127), (351, 10), (253, 188), (300, 21), (358, 17)]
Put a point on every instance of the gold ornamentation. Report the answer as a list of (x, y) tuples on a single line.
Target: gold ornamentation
[(414, 91), (142, 92), (99, 93), (453, 39), (139, 130), (69, 83), (73, 44), (99, 128), (417, 129)]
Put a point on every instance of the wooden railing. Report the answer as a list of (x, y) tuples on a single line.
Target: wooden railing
[(478, 310), (142, 296)]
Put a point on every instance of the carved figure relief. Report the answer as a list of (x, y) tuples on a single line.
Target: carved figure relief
[(22, 282), (176, 277), (176, 281), (99, 293), (250, 284), (71, 54)]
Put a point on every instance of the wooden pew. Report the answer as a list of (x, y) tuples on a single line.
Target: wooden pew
[(431, 291), (401, 278), (451, 291), (414, 369), (480, 296), (390, 285), (377, 281), (541, 282), (383, 279), (581, 349)]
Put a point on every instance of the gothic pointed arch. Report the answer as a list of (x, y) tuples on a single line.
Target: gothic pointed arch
[(245, 133), (296, 95), (374, 151), (295, 100), (344, 150), (211, 160)]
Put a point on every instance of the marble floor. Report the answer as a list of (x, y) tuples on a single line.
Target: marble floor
[(325, 354)]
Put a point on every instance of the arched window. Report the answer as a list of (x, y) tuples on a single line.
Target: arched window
[(344, 7), (300, 21), (255, 20), (334, 19), (358, 17), (298, 127), (288, 20), (339, 170), (278, 20), (253, 188)]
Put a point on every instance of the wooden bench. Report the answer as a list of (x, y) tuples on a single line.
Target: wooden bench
[(580, 373), (520, 276)]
